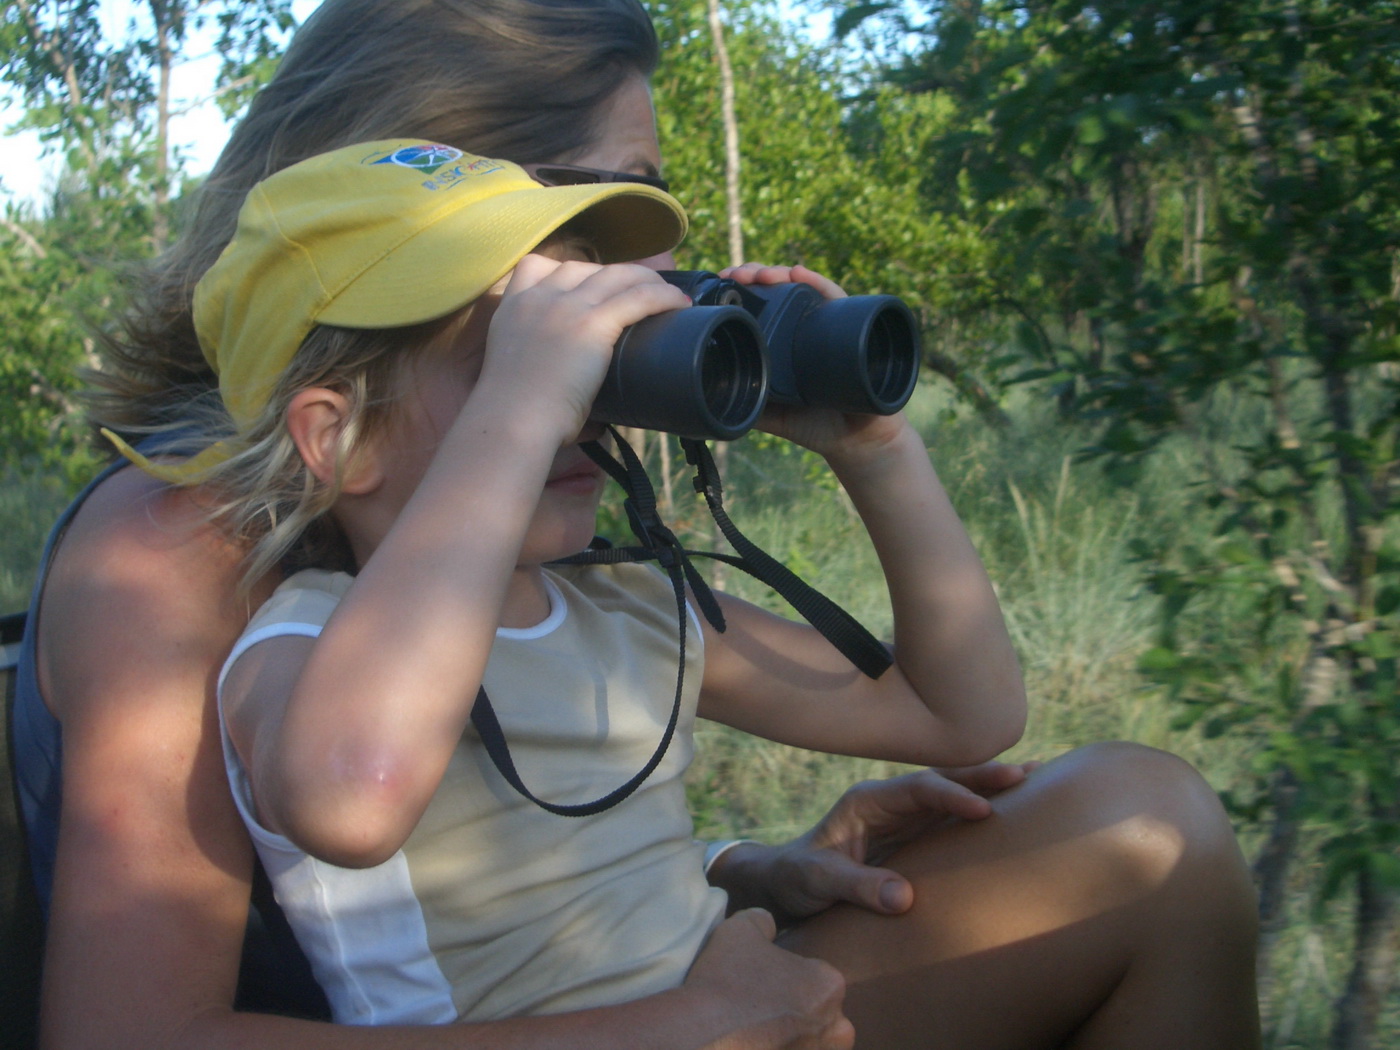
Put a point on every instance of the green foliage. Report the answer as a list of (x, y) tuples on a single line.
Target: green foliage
[(38, 378), (250, 42), (811, 192), (98, 104), (30, 501), (1196, 216)]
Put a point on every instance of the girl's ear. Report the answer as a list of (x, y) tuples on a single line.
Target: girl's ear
[(316, 418)]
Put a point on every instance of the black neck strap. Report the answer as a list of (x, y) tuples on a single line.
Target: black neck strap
[(658, 543), (838, 626)]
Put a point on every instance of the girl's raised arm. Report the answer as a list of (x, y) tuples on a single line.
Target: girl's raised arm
[(347, 739), (955, 696)]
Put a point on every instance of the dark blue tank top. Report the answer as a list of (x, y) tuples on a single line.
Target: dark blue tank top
[(37, 734)]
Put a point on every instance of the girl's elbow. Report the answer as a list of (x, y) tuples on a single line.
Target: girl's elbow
[(983, 738), (345, 839), (345, 824)]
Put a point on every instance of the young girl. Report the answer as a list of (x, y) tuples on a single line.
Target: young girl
[(393, 278)]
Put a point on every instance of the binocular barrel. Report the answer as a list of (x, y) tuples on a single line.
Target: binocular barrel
[(707, 371), (699, 372)]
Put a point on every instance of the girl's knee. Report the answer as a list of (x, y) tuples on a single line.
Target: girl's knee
[(1147, 806), (1122, 775)]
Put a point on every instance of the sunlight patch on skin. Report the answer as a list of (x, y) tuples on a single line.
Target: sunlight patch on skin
[(970, 904), (1061, 884)]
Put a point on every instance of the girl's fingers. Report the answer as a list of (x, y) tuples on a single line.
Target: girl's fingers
[(552, 334), (637, 291), (530, 270), (759, 273), (756, 273), (534, 269), (829, 288), (989, 778)]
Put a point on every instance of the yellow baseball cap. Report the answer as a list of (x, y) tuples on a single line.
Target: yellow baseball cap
[(382, 235)]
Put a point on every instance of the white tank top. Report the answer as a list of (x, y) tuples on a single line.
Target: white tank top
[(494, 908)]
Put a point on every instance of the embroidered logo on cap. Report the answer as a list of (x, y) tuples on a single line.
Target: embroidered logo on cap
[(430, 158), (426, 158)]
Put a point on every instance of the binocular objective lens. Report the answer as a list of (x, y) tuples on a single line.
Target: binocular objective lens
[(887, 357), (732, 376), (721, 374)]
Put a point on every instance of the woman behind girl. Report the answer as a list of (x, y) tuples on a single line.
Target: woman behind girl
[(1104, 901), (145, 879)]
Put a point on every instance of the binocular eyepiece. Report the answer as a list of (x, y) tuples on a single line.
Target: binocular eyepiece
[(707, 371)]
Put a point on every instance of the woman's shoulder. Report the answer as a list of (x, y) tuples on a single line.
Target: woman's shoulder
[(140, 575), (132, 522), (150, 543)]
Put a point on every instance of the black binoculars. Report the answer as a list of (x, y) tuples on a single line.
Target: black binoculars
[(706, 372)]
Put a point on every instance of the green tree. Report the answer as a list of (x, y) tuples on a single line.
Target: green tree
[(810, 190), (103, 107), (1197, 215)]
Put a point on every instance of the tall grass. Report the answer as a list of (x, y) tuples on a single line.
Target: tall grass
[(29, 502)]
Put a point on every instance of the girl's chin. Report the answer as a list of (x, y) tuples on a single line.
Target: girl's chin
[(576, 486), (560, 538)]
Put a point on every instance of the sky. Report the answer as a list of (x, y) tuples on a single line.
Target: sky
[(199, 129)]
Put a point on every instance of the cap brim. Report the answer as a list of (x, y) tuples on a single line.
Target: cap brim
[(454, 261)]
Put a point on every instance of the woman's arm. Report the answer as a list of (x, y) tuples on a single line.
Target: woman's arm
[(152, 880), (954, 696), (838, 859), (151, 885)]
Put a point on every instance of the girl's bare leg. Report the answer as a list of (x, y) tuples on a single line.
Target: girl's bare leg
[(1104, 905)]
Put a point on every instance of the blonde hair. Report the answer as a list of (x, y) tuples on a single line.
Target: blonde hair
[(265, 494), (523, 80)]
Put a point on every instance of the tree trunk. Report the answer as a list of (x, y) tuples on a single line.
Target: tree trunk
[(733, 210), (1373, 965), (967, 385), (160, 220), (733, 207), (1271, 870)]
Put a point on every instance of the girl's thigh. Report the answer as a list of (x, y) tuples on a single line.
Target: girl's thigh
[(1104, 904)]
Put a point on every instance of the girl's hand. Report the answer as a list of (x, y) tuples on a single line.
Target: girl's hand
[(758, 273), (553, 329), (827, 432)]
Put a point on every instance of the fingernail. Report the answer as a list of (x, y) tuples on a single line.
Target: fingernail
[(890, 897)]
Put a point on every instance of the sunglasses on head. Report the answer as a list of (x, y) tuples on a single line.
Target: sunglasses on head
[(573, 175)]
